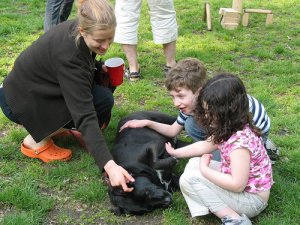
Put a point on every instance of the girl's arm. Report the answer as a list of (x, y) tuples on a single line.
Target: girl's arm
[(240, 167), (196, 149), (164, 129)]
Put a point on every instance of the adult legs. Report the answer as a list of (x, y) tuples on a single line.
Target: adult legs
[(127, 15), (52, 14), (65, 10), (131, 55), (164, 27), (170, 53)]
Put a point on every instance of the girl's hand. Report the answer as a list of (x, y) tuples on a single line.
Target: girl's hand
[(170, 149), (205, 160), (134, 124), (118, 176)]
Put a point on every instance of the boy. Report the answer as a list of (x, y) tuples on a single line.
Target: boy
[(183, 82)]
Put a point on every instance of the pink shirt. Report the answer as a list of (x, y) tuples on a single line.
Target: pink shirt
[(260, 177)]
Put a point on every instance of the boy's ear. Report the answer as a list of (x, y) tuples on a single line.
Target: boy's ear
[(198, 91)]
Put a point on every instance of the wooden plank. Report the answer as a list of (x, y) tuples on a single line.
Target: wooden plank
[(237, 5), (208, 16), (245, 19), (269, 19), (264, 11)]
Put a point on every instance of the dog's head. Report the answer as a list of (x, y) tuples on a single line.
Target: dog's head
[(145, 197), (149, 192)]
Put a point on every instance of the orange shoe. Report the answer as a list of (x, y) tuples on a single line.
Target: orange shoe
[(48, 153)]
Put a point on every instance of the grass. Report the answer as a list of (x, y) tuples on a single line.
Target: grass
[(265, 58)]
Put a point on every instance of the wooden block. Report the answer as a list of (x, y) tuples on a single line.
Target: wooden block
[(208, 15), (263, 11), (245, 19), (237, 5), (230, 26), (269, 19), (226, 19), (228, 11)]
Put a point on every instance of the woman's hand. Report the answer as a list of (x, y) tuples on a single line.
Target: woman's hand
[(118, 176), (104, 68), (134, 124)]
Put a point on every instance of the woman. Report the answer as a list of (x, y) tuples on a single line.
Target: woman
[(51, 88)]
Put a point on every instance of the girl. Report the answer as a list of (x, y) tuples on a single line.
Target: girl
[(238, 187), (51, 88)]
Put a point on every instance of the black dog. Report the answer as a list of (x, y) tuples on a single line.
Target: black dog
[(141, 151)]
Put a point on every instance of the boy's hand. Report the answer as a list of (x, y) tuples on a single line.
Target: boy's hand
[(134, 124)]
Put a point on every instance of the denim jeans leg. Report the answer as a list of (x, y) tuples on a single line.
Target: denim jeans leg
[(52, 13), (5, 108), (198, 133), (65, 10), (103, 101), (195, 131)]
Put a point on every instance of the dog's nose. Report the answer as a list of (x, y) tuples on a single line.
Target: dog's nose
[(167, 200)]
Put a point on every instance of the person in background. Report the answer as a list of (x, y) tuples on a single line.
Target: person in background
[(164, 29), (238, 187), (57, 11), (52, 89)]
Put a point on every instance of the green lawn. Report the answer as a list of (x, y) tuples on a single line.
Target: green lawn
[(265, 58)]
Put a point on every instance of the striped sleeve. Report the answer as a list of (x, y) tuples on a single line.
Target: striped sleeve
[(259, 114), (181, 118)]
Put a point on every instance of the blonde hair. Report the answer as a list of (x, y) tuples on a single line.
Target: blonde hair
[(94, 15), (188, 73)]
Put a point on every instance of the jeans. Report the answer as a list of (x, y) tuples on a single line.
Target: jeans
[(198, 133), (102, 98), (5, 108), (57, 11)]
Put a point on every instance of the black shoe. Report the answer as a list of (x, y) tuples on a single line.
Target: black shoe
[(132, 76), (272, 150)]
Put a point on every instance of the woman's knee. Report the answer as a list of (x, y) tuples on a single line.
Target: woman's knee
[(102, 98)]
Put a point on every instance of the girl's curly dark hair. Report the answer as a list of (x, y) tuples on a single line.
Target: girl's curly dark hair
[(223, 108)]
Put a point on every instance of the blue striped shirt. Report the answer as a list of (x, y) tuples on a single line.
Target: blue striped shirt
[(259, 114), (260, 117)]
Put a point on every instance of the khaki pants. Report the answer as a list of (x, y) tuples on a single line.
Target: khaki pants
[(162, 17), (202, 196)]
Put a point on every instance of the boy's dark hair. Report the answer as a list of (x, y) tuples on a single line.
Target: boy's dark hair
[(222, 107), (188, 73)]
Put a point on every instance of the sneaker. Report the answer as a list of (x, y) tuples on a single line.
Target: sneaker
[(242, 220), (166, 69), (132, 76), (272, 150)]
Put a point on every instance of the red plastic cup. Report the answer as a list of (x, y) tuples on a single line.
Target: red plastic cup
[(116, 68)]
